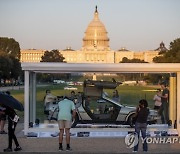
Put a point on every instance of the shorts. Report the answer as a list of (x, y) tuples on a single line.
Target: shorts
[(64, 124), (3, 117)]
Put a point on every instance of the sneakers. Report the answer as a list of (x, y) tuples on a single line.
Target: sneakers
[(60, 148), (134, 151), (68, 149), (3, 132), (8, 150), (18, 148)]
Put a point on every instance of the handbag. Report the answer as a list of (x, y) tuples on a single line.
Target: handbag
[(16, 118)]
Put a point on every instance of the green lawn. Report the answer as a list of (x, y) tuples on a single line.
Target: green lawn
[(130, 95)]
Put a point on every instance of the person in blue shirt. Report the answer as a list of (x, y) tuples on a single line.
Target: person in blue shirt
[(66, 114)]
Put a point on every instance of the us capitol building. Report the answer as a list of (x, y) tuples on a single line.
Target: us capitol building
[(95, 48)]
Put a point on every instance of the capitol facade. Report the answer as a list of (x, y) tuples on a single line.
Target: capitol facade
[(95, 48)]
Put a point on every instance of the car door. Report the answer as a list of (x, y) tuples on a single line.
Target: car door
[(102, 110)]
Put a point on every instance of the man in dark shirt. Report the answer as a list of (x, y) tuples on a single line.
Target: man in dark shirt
[(12, 122), (164, 110), (73, 96), (142, 113)]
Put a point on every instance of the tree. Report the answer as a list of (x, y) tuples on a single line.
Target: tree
[(132, 76), (156, 78), (10, 47), (171, 56), (52, 56), (6, 65), (10, 67), (135, 60), (16, 70)]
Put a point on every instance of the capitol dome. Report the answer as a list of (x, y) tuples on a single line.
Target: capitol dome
[(96, 35)]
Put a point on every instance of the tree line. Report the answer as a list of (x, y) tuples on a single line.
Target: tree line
[(170, 56)]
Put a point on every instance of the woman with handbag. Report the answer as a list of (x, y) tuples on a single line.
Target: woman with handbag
[(12, 122), (141, 123)]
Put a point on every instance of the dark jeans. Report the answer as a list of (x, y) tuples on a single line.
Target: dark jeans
[(11, 135), (141, 127), (164, 112)]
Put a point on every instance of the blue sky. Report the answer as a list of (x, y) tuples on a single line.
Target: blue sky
[(55, 24)]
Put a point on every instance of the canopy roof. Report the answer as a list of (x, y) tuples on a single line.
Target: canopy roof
[(49, 67)]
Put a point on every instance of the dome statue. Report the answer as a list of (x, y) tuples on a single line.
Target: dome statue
[(162, 48), (96, 35)]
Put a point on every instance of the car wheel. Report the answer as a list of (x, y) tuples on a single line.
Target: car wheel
[(131, 121), (75, 122)]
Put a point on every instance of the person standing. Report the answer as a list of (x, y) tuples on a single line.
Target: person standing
[(2, 121), (66, 107), (73, 96), (79, 100), (12, 122), (157, 100), (116, 96), (49, 97), (142, 113), (3, 118), (165, 104)]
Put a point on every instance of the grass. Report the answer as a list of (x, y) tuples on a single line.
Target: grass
[(130, 95)]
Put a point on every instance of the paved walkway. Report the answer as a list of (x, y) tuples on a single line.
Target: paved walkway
[(83, 145)]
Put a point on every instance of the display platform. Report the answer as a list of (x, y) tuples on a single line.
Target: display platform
[(99, 130)]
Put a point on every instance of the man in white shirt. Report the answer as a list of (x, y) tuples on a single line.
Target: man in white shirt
[(157, 100), (49, 97)]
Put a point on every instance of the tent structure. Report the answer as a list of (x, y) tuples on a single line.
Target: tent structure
[(31, 69)]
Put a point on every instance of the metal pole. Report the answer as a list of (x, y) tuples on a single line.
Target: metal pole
[(26, 103), (172, 98), (34, 97), (31, 97), (178, 102)]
